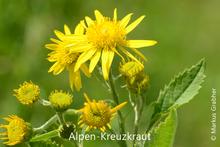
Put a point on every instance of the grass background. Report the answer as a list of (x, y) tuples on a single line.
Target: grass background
[(186, 30)]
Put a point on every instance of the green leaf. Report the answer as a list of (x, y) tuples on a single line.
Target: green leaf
[(163, 133), (45, 136), (182, 88), (179, 91)]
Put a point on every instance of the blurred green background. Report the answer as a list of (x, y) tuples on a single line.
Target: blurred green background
[(186, 30)]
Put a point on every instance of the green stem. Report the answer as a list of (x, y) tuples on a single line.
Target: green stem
[(138, 105), (47, 124), (60, 118), (116, 99), (44, 102)]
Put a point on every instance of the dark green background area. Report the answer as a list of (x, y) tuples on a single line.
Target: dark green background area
[(186, 31)]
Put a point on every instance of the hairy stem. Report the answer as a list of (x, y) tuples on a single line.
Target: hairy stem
[(47, 124), (60, 118), (138, 105), (116, 99)]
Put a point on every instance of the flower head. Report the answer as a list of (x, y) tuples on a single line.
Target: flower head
[(138, 84), (60, 100), (17, 130), (97, 114), (27, 93), (102, 38), (136, 79), (131, 68), (65, 59)]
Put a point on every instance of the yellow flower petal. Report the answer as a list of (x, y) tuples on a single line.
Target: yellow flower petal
[(85, 70), (55, 41), (79, 30), (99, 16), (107, 58), (104, 63), (110, 59), (139, 54), (80, 48), (124, 22), (89, 21), (51, 46), (56, 68), (83, 58), (115, 15), (94, 61), (128, 54), (59, 34), (140, 43), (75, 79), (116, 108), (134, 24), (67, 30)]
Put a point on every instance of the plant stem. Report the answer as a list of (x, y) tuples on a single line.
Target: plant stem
[(48, 123), (138, 105), (60, 118), (44, 102), (116, 99)]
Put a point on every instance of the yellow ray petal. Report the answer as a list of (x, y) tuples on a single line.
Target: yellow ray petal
[(55, 41), (140, 43), (77, 48), (84, 57), (87, 98), (99, 16), (139, 54), (94, 61), (110, 59), (109, 126), (74, 38), (74, 78), (107, 58), (79, 30), (116, 108), (67, 30), (56, 68), (115, 15), (51, 46), (89, 21), (124, 22), (134, 24), (59, 34), (129, 54), (85, 70), (115, 50), (77, 81)]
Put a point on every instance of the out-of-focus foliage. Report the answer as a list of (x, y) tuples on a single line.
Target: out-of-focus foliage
[(186, 31)]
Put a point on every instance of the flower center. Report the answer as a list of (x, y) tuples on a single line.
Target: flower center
[(105, 34), (97, 117), (16, 131), (68, 58)]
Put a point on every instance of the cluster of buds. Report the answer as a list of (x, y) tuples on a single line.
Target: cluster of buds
[(136, 79)]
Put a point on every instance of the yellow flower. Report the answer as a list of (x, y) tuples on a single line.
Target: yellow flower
[(97, 114), (17, 130), (60, 100), (102, 38), (131, 68), (65, 59), (27, 93)]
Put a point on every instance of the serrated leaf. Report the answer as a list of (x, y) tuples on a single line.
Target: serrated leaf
[(183, 87), (163, 133)]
